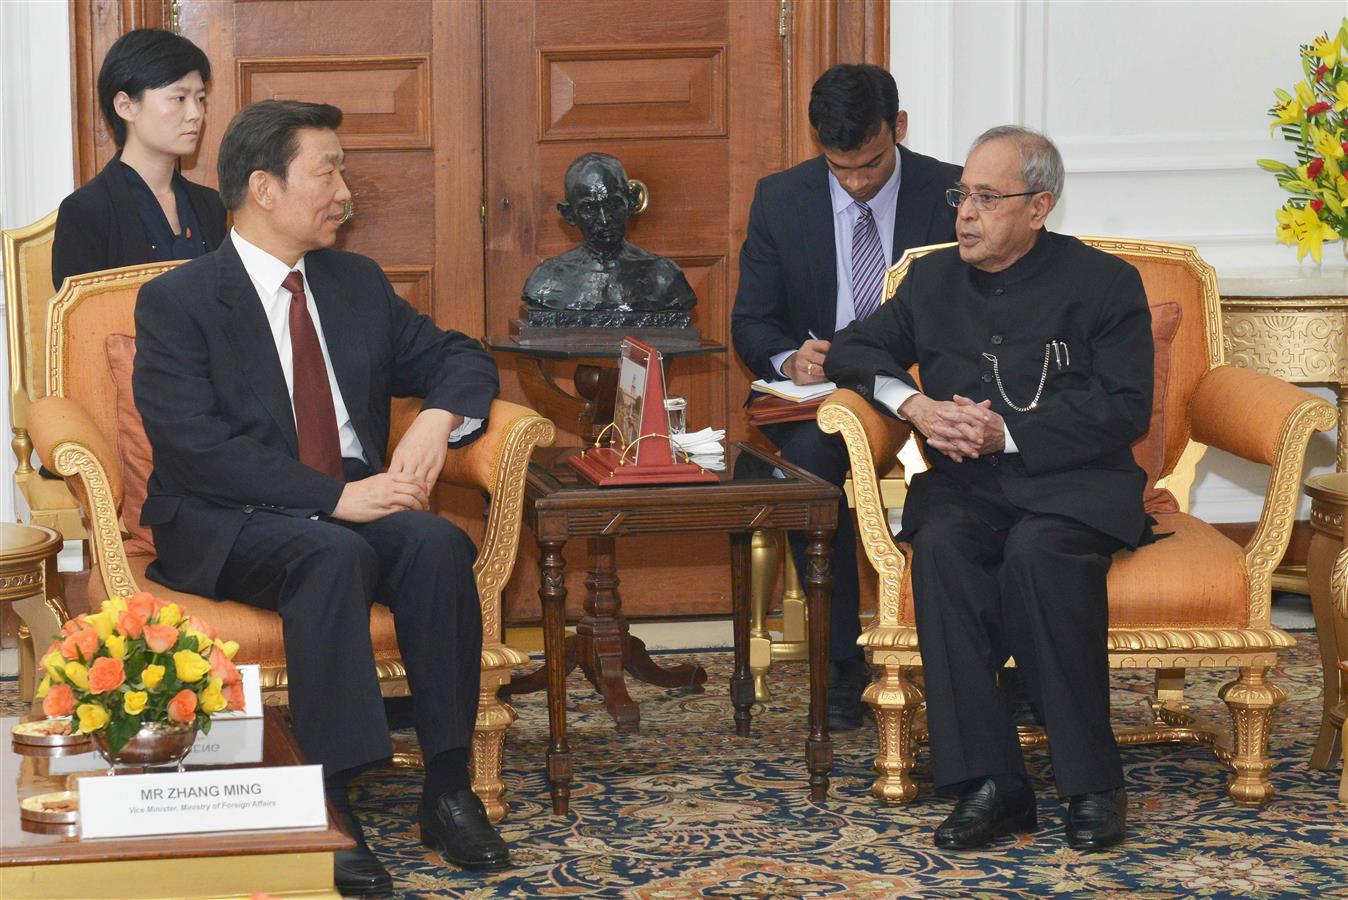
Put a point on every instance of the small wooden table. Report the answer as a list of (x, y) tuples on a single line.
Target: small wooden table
[(1327, 572), (757, 490), (28, 579), (281, 863)]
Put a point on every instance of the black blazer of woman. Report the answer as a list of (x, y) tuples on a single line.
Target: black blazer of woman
[(97, 227)]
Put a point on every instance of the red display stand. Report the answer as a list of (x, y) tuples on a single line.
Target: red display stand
[(641, 451)]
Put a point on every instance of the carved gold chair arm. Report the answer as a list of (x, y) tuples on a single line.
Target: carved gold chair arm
[(1265, 420), (873, 440), (70, 444)]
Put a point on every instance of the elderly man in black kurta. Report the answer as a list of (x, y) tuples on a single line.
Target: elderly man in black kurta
[(1035, 354)]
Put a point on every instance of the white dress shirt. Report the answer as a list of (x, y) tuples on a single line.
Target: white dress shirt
[(266, 272), (884, 207)]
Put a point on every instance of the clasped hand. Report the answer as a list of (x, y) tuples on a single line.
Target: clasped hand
[(959, 428), (411, 474)]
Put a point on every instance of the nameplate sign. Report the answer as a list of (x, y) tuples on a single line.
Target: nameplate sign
[(196, 802)]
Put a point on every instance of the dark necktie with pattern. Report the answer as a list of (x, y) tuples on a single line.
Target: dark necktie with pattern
[(315, 416), (868, 263)]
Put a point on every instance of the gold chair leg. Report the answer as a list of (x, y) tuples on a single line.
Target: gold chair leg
[(764, 552), (1252, 700), (1167, 705), (494, 718), (795, 642), (896, 701)]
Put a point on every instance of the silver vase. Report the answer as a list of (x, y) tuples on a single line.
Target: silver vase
[(156, 744)]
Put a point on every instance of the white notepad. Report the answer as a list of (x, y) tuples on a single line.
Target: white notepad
[(789, 390)]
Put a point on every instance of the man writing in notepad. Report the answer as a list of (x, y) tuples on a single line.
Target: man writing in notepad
[(821, 235)]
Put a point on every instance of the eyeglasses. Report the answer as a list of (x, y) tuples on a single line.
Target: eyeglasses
[(984, 201)]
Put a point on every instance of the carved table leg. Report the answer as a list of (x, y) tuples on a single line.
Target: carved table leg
[(603, 636), (742, 681), (1252, 700), (552, 593), (818, 593)]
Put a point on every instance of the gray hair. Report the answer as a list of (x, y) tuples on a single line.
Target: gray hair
[(1040, 162)]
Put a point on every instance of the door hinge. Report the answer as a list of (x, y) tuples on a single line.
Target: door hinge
[(783, 18), (482, 213)]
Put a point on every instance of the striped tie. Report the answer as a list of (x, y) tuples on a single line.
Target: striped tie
[(868, 263)]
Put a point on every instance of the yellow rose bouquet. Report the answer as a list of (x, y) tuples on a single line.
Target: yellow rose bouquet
[(1312, 117), (138, 661)]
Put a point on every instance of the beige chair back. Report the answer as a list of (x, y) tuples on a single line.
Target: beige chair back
[(83, 313), (27, 260)]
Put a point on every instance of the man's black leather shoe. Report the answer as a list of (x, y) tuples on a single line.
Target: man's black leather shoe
[(456, 825), (1096, 821), (358, 872), (846, 681), (985, 813)]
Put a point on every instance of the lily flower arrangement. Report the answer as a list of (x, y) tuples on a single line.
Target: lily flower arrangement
[(1312, 117), (139, 661)]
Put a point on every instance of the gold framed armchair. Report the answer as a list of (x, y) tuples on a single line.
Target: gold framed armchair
[(75, 429), (27, 257), (1196, 599)]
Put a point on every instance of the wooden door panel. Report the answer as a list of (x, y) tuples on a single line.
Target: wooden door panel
[(692, 103)]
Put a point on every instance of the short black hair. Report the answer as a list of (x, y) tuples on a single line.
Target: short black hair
[(146, 58), (264, 136), (849, 102), (601, 161)]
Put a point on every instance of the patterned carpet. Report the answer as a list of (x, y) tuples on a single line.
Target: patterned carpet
[(686, 809)]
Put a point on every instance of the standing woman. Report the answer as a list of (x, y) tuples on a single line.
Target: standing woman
[(139, 209)]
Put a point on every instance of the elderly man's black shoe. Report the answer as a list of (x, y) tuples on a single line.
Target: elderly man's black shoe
[(358, 872), (985, 813), (456, 825), (1096, 821)]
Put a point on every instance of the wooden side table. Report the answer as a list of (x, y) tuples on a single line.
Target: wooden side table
[(757, 491), (1327, 571), (28, 579)]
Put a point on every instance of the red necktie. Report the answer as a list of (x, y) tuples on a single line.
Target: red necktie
[(315, 417)]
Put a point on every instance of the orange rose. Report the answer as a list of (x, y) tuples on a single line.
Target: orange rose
[(70, 626), (142, 604), (233, 696), (130, 624), (183, 707), (197, 623), (106, 674), (160, 637), (83, 643), (223, 667), (60, 701)]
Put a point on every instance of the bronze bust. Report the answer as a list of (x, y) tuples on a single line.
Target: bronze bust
[(605, 282)]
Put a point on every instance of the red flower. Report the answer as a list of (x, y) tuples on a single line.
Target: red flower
[(1321, 72), (1344, 145), (1317, 109), (1317, 205), (1315, 168)]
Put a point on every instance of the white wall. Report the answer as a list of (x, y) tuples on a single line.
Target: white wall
[(36, 161), (1159, 110)]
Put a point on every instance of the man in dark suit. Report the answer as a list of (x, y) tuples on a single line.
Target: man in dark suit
[(1035, 354), (821, 235), (264, 372)]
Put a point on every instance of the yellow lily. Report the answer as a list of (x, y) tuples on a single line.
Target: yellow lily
[(1325, 48), (1303, 228), (1305, 96), (1341, 96), (1327, 144), (1286, 112)]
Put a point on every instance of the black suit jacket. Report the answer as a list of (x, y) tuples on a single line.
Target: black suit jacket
[(209, 385), (789, 264), (1075, 457), (97, 227)]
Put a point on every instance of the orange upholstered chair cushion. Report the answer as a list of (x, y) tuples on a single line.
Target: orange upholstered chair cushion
[(133, 447), (258, 631), (1195, 578)]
